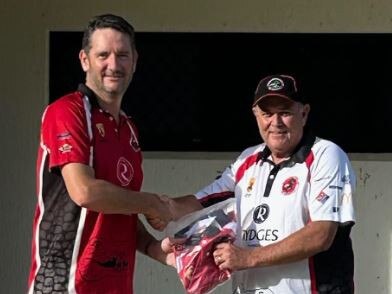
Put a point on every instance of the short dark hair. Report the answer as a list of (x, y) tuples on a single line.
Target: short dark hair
[(107, 21)]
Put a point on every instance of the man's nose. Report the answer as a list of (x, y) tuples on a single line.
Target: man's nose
[(113, 62), (276, 119)]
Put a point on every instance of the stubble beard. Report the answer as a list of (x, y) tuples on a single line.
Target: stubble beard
[(110, 91)]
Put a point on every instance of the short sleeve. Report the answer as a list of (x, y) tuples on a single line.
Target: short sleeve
[(64, 133), (222, 187), (332, 185)]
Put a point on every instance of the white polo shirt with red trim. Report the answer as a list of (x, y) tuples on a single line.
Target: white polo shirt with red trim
[(75, 250), (274, 201)]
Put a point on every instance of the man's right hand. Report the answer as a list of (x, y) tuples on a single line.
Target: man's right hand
[(161, 213), (177, 208)]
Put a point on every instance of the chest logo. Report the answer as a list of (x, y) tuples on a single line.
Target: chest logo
[(100, 129), (124, 171), (134, 143), (261, 213), (289, 185), (250, 184)]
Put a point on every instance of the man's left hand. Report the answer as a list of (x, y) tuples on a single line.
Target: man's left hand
[(231, 257)]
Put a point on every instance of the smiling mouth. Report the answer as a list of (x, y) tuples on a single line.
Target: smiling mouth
[(113, 79)]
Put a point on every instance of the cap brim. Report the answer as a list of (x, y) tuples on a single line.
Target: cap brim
[(258, 100)]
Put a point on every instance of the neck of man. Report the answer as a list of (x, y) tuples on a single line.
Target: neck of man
[(278, 158), (110, 102), (111, 106), (280, 155)]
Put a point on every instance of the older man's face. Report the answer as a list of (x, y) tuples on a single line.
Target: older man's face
[(281, 124)]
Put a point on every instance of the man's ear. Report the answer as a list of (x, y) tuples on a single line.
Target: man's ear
[(84, 62), (305, 113), (135, 58)]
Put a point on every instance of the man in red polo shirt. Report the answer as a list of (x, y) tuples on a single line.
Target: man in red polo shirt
[(89, 175)]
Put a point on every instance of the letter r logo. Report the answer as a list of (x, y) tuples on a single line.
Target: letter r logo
[(260, 214)]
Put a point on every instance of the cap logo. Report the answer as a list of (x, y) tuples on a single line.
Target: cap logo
[(275, 84)]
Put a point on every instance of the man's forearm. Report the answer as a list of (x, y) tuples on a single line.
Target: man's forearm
[(313, 238), (184, 205), (149, 246), (103, 196)]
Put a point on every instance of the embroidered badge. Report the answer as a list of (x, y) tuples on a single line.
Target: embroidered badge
[(101, 129), (289, 185), (134, 143), (250, 184), (63, 136), (275, 84), (322, 197), (65, 148)]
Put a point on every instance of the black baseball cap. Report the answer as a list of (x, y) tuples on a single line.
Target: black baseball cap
[(283, 86)]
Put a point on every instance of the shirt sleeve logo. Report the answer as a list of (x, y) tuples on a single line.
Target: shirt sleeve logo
[(322, 197), (289, 185), (65, 148), (64, 136), (124, 171)]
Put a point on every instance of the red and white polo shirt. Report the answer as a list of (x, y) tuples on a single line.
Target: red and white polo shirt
[(76, 250), (274, 201)]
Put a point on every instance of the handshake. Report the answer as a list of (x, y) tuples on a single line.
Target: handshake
[(163, 211)]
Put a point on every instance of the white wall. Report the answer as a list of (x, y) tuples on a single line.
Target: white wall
[(24, 28)]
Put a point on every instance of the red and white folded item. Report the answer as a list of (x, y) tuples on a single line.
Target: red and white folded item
[(194, 259)]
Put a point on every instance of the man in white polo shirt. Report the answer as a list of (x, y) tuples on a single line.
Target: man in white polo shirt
[(294, 203)]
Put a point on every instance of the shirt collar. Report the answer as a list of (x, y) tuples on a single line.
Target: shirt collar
[(90, 94)]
